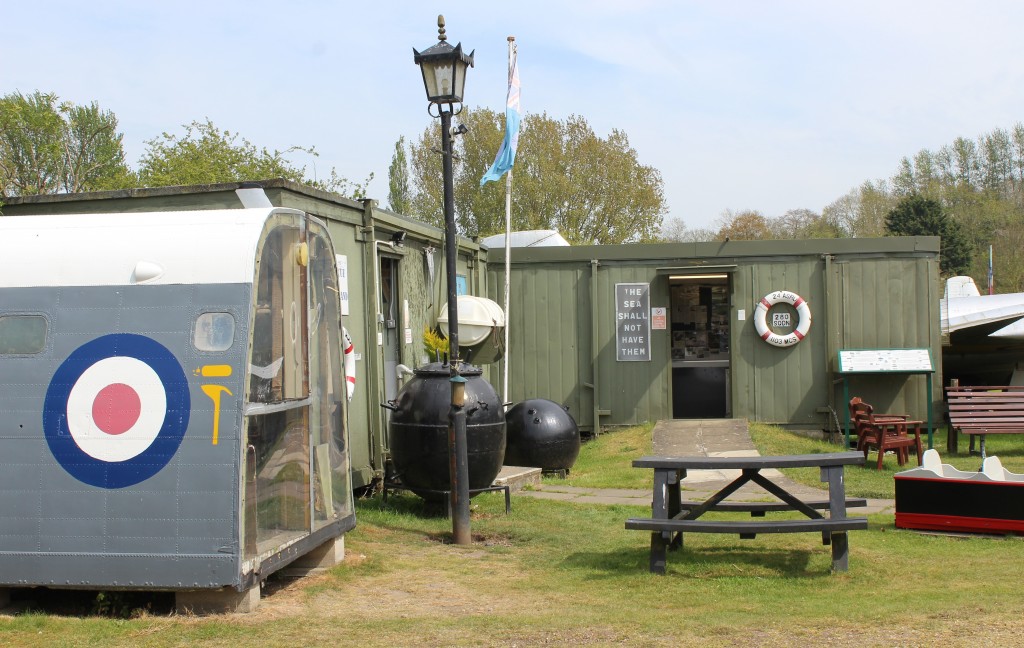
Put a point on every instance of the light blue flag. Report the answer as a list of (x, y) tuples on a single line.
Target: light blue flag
[(507, 153)]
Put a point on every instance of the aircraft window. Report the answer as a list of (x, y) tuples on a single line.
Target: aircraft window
[(214, 332), (278, 365), (22, 334)]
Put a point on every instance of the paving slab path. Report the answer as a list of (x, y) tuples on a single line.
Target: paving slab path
[(697, 437)]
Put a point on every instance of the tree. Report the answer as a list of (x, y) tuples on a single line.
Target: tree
[(399, 192), (591, 189), (916, 215), (51, 147), (206, 155), (805, 224), (747, 225), (861, 213), (674, 230)]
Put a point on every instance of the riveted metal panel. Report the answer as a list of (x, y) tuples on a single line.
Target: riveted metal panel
[(178, 527)]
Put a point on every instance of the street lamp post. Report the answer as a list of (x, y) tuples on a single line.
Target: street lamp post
[(444, 78)]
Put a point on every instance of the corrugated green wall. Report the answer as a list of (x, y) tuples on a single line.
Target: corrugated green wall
[(874, 293), (888, 303), (633, 391), (772, 384)]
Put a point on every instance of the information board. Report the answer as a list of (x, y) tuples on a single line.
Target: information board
[(895, 361), (885, 360), (632, 322)]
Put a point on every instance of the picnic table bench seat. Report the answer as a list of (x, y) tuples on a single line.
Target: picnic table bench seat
[(748, 530), (982, 410), (758, 509), (671, 516)]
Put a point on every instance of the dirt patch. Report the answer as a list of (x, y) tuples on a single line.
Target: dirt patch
[(484, 540)]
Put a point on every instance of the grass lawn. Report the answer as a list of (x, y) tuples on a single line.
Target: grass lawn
[(566, 574)]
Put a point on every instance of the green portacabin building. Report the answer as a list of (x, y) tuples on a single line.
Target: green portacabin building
[(620, 334), (578, 335)]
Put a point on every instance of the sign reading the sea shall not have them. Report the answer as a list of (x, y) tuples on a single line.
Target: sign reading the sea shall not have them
[(632, 322)]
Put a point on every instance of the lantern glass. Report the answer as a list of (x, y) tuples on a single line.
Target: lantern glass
[(459, 81), (438, 77)]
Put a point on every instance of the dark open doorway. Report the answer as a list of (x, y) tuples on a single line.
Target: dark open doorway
[(700, 345)]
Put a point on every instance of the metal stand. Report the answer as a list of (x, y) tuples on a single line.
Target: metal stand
[(446, 494)]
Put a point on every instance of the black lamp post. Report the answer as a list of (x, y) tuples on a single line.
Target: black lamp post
[(444, 77)]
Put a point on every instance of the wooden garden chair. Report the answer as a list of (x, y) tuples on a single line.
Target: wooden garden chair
[(884, 432)]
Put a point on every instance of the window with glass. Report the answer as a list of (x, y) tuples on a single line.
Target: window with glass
[(214, 332), (277, 411), (22, 334), (297, 468), (332, 488), (278, 363)]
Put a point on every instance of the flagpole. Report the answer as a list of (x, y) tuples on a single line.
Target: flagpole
[(991, 278), (508, 243)]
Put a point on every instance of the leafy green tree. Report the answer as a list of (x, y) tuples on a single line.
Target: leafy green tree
[(47, 146), (206, 154), (965, 162), (980, 184), (399, 192), (426, 202), (591, 189), (916, 215)]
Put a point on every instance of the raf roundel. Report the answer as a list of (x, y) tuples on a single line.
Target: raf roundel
[(116, 410)]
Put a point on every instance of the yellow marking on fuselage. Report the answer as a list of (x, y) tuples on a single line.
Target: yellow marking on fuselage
[(214, 392), (214, 371)]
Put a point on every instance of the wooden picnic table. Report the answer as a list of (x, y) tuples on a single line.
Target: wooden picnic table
[(671, 516)]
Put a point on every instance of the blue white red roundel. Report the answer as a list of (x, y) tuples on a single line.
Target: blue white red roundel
[(116, 410)]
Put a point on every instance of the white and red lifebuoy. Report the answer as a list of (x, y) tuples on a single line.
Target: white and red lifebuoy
[(803, 312), (350, 362)]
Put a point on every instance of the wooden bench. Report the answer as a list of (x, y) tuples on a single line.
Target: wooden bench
[(984, 410), (758, 509), (671, 516), (749, 530)]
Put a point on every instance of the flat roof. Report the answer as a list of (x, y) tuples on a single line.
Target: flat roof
[(185, 247)]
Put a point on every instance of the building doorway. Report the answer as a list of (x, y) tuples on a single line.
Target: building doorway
[(391, 341), (699, 312)]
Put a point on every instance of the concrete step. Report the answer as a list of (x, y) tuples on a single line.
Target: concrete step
[(518, 477)]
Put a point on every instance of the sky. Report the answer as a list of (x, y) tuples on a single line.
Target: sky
[(761, 105)]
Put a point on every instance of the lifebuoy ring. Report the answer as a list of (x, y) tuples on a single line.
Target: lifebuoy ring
[(350, 362), (803, 312)]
